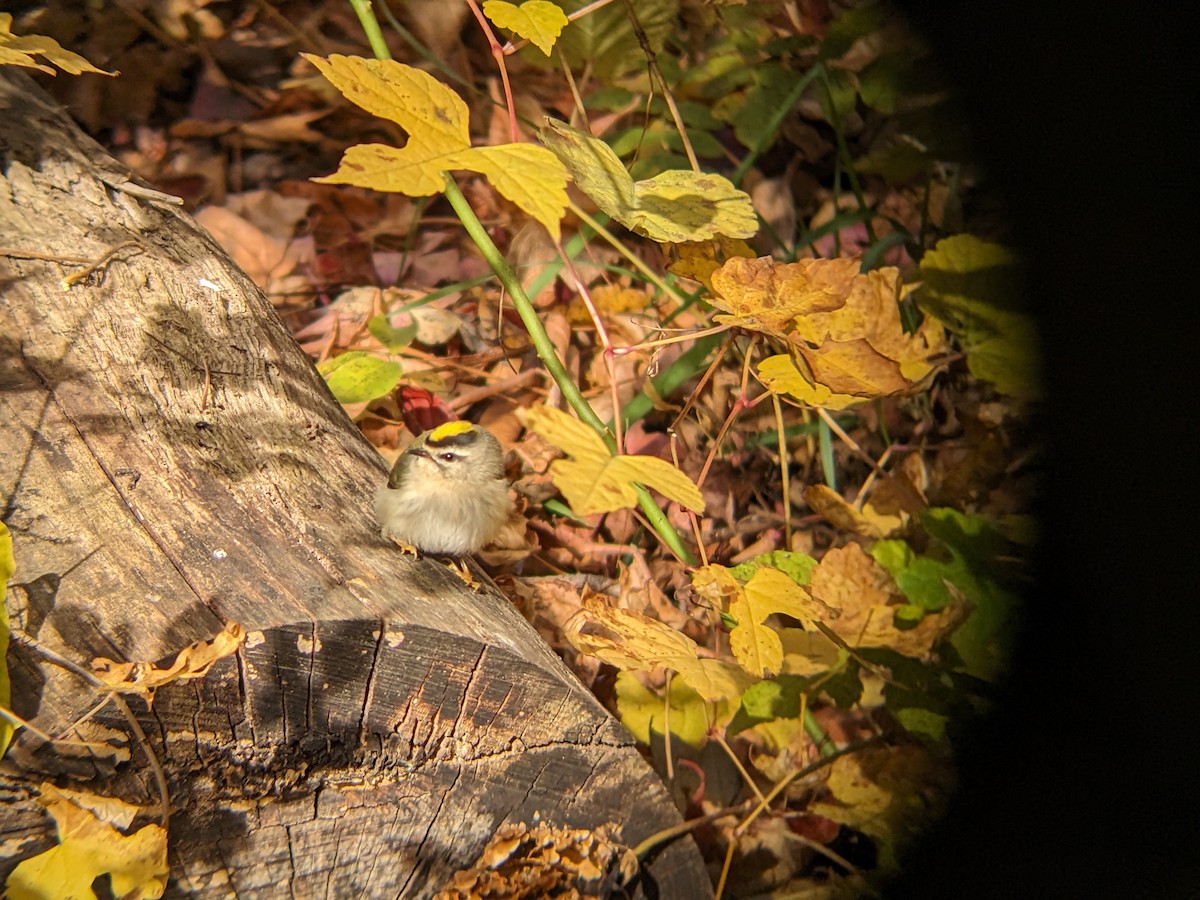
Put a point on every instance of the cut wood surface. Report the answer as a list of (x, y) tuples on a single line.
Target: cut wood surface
[(170, 461)]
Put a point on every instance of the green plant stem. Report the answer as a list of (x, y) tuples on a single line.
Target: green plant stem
[(813, 729), (825, 442), (549, 357), (521, 303), (370, 27), (632, 258)]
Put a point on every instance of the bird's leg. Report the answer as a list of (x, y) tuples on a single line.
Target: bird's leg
[(458, 565), (405, 547)]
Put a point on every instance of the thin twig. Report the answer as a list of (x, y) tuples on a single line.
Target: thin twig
[(71, 280), (160, 777), (652, 62), (498, 55)]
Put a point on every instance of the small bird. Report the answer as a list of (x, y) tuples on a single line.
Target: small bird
[(446, 494)]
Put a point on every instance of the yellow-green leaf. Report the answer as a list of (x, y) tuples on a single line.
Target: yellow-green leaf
[(594, 481), (973, 286), (637, 643), (891, 793), (439, 140), (435, 117), (672, 207), (564, 431), (88, 848), (755, 646), (357, 377), (19, 51), (414, 171), (645, 713), (595, 168), (591, 488), (538, 21), (771, 591), (682, 205)]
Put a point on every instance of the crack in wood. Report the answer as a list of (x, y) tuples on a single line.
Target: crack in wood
[(112, 480)]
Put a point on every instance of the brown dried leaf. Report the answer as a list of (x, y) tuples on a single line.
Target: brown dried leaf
[(529, 862), (765, 295), (193, 661)]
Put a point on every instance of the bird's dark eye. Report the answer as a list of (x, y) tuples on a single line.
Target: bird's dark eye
[(448, 457)]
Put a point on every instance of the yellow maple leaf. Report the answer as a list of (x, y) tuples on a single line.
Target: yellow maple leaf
[(88, 848), (756, 646), (699, 259), (538, 21), (439, 139), (808, 652), (872, 313), (842, 327), (780, 375), (672, 207), (868, 521), (19, 51), (638, 643), (609, 300), (595, 481), (645, 713)]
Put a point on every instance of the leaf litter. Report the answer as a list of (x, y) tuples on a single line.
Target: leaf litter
[(879, 584)]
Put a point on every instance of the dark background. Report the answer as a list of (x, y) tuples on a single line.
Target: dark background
[(1084, 785)]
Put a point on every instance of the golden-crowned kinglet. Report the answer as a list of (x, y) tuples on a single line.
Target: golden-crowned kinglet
[(446, 494)]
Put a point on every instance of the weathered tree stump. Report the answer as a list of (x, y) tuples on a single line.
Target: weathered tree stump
[(170, 462)]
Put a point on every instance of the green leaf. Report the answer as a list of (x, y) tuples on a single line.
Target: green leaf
[(604, 39), (393, 338), (676, 206), (358, 377), (923, 722), (797, 566), (751, 113), (839, 97), (848, 28), (769, 700)]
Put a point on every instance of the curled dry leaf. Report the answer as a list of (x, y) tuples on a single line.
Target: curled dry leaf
[(193, 661), (523, 862), (867, 522)]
